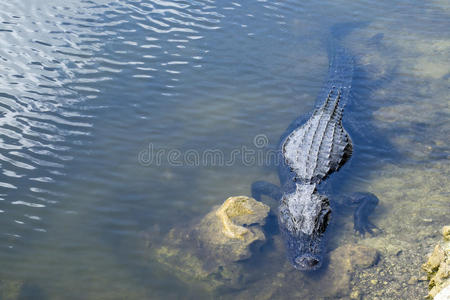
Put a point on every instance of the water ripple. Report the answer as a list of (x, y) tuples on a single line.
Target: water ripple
[(46, 62), (57, 59)]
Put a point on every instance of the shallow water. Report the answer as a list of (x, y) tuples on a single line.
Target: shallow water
[(89, 88)]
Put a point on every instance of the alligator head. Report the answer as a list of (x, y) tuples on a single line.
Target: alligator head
[(303, 218)]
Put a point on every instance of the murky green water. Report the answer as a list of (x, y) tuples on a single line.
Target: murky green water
[(88, 87)]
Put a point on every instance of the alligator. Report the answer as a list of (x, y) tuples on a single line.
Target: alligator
[(312, 148)]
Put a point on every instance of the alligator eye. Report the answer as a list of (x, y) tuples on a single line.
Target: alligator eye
[(313, 262), (323, 220)]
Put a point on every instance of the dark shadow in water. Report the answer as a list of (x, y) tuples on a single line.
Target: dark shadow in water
[(271, 226)]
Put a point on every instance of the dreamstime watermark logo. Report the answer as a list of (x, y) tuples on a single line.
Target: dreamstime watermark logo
[(260, 141), (257, 155)]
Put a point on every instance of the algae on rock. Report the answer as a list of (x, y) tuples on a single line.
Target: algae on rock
[(210, 251), (438, 265), (344, 262)]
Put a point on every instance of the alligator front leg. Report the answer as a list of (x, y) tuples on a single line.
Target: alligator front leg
[(260, 188), (365, 204)]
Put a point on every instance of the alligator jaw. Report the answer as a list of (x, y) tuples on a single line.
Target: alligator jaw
[(304, 252), (308, 262)]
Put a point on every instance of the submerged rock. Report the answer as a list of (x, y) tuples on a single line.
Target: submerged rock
[(332, 282), (446, 233), (210, 252), (438, 266), (344, 261)]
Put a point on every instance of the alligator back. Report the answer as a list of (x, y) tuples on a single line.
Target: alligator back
[(321, 145)]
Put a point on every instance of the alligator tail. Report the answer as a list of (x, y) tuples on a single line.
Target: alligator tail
[(341, 63)]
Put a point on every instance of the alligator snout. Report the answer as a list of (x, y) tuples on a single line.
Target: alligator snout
[(307, 262)]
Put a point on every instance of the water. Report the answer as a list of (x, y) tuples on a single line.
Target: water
[(87, 87)]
